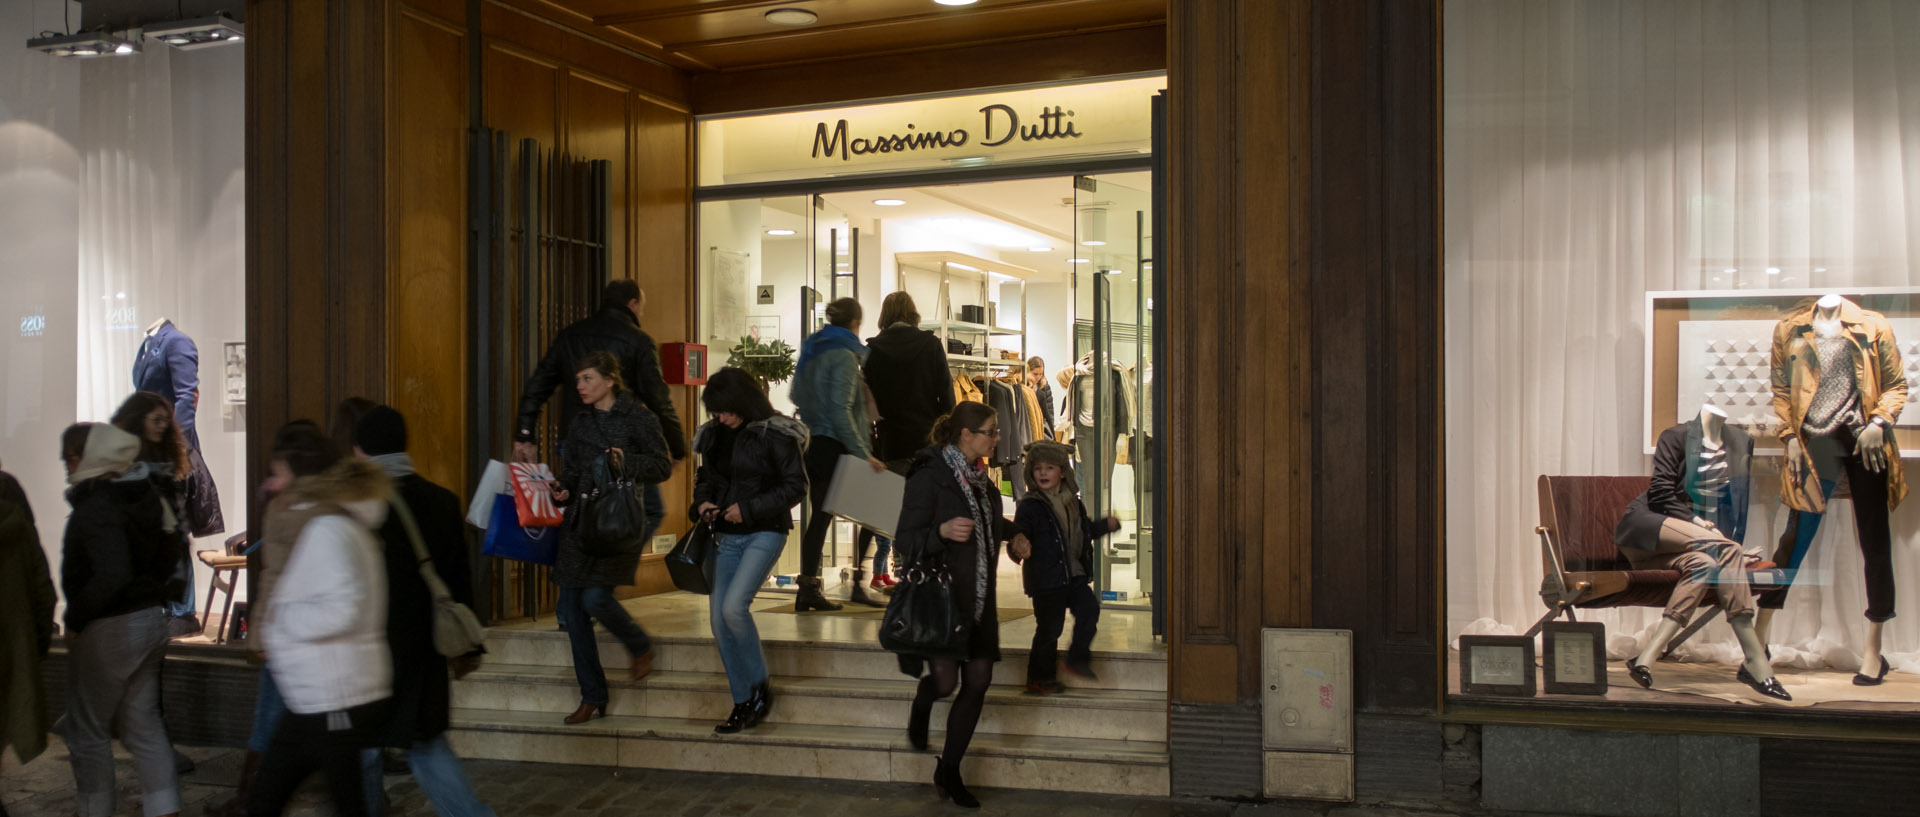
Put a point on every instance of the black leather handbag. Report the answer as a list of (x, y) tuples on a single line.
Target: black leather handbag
[(690, 563), (612, 518), (920, 619)]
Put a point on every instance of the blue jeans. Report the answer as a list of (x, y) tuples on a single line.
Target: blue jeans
[(437, 769), (742, 562), (268, 710), (183, 606), (580, 607)]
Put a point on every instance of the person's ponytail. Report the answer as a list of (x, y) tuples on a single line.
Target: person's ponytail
[(968, 414)]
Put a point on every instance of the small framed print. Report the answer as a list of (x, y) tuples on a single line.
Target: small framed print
[(1575, 659), (1496, 665)]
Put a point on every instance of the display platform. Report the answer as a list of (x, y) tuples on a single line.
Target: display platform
[(1705, 684)]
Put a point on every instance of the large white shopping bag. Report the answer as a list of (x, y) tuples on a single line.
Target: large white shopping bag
[(494, 482)]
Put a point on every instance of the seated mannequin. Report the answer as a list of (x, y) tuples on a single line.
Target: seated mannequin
[(1696, 499)]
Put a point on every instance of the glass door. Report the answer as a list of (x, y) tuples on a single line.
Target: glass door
[(1110, 410)]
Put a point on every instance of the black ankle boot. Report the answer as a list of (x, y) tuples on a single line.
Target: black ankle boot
[(917, 727), (736, 721), (759, 705), (946, 783), (811, 598)]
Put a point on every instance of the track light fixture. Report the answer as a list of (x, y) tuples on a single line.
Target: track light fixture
[(202, 32), (84, 45)]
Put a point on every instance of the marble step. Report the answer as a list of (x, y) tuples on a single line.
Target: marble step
[(804, 659), (1136, 768), (1078, 713)]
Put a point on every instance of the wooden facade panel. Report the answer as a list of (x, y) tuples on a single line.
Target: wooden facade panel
[(1057, 59), (506, 21), (520, 95), (662, 230), (597, 128), (426, 373)]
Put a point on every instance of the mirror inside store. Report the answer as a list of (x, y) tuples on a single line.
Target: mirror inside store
[(1054, 271)]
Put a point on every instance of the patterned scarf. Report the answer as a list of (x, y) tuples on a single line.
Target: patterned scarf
[(985, 555)]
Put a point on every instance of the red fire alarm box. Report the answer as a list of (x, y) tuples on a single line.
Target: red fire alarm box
[(684, 364)]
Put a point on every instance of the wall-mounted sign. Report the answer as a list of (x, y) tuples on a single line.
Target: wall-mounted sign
[(763, 294), (1099, 118), (33, 326)]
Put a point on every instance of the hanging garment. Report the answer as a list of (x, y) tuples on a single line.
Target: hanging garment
[(964, 389)]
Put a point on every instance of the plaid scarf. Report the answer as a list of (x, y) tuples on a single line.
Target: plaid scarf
[(985, 556)]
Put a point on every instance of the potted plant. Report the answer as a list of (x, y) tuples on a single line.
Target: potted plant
[(769, 361)]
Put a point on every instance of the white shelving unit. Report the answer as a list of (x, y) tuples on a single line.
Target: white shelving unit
[(970, 276)]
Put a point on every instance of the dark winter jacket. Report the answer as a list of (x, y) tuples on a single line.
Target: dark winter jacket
[(907, 371), (1673, 492), (764, 473), (26, 625), (934, 496), (119, 555), (1044, 396), (168, 364), (421, 698), (615, 330), (1045, 567), (629, 427)]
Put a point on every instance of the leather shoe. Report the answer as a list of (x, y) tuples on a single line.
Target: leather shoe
[(1770, 687), (1640, 674), (642, 665), (585, 713), (736, 721), (1872, 680)]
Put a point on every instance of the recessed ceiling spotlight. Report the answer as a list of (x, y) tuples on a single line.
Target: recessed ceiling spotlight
[(956, 2), (779, 232), (791, 17), (1076, 260), (1039, 249), (889, 202)]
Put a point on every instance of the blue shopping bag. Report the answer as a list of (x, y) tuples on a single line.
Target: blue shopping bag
[(508, 540)]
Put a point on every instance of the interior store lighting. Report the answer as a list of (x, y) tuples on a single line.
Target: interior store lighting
[(956, 2), (1039, 249), (889, 202), (83, 45), (780, 232), (1076, 260), (198, 33), (791, 17), (1773, 270)]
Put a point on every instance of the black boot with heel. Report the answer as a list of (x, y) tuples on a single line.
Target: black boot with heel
[(947, 784), (811, 598)]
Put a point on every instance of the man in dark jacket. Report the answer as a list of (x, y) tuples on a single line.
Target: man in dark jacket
[(417, 720), (616, 329)]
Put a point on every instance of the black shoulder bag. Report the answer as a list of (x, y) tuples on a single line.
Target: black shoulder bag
[(611, 517)]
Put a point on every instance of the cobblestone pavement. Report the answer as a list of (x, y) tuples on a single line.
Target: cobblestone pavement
[(44, 788)]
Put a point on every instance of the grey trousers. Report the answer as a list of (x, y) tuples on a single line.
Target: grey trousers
[(115, 672)]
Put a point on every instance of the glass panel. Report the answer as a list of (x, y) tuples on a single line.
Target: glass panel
[(1112, 367)]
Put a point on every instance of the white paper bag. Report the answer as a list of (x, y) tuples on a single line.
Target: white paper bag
[(493, 483), (859, 494)]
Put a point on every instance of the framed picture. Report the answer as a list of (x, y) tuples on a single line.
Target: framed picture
[(234, 372), (1575, 659), (1496, 665)]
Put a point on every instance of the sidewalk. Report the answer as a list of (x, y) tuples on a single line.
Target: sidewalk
[(44, 788)]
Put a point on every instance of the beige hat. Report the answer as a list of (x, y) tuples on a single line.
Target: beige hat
[(109, 451)]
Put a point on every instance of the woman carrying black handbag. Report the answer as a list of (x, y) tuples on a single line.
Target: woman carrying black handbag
[(751, 475), (951, 525), (613, 423)]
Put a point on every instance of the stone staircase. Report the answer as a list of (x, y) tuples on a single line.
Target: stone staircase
[(840, 711)]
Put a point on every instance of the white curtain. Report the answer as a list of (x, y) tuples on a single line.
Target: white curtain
[(1600, 149), (162, 207)]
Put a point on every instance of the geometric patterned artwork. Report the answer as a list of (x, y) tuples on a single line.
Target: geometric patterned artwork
[(1729, 364)]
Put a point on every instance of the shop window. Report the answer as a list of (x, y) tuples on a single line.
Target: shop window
[(1680, 248)]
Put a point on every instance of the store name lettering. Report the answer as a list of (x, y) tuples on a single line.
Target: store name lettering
[(1000, 124)]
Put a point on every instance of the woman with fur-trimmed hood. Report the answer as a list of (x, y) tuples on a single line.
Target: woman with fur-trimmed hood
[(326, 631)]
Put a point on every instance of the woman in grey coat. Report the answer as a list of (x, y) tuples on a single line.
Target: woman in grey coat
[(613, 423)]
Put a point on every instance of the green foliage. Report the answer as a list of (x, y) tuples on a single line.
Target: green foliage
[(769, 361)]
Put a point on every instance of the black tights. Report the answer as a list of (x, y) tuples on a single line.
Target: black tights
[(939, 682)]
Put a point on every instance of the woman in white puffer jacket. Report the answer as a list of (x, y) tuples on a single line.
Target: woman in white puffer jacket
[(325, 638)]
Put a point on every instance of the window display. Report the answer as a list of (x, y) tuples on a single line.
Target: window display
[(1682, 311)]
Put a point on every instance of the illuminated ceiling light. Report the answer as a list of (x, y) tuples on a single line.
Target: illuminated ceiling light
[(89, 44), (956, 2), (1039, 249), (1076, 260), (958, 265), (1819, 269), (889, 202), (982, 231), (1773, 270), (791, 17), (780, 232), (203, 32), (1731, 270), (1093, 227)]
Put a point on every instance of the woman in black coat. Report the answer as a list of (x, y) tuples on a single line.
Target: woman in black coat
[(951, 518), (752, 473), (613, 423)]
